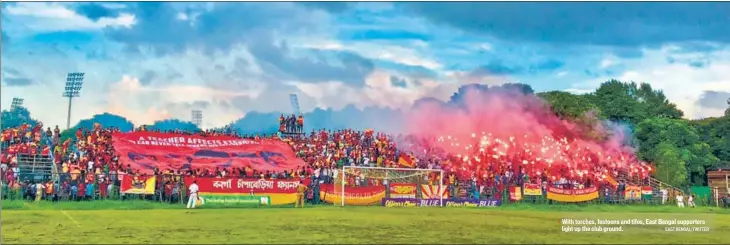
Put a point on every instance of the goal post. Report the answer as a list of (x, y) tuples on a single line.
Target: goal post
[(360, 185)]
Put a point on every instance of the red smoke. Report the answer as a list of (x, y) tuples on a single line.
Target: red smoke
[(500, 129)]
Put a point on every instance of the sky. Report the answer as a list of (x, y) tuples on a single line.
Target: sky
[(150, 61)]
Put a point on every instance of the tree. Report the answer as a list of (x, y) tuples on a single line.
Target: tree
[(106, 120), (632, 103), (568, 105), (173, 124), (657, 136), (16, 117)]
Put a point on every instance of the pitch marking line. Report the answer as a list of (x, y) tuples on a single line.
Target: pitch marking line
[(71, 218)]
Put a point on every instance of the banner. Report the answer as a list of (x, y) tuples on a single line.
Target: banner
[(533, 190), (234, 200), (412, 202), (147, 150), (354, 195), (402, 190), (632, 192), (138, 185), (647, 192), (433, 192), (571, 195), (277, 191), (515, 193)]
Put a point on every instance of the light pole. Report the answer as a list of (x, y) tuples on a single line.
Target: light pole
[(197, 117), (74, 80), (17, 103)]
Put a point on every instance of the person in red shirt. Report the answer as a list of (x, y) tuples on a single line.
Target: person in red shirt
[(82, 190), (103, 185)]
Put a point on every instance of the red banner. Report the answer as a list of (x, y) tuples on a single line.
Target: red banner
[(403, 190), (147, 150), (232, 185)]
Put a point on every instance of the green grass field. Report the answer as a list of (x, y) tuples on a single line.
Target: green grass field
[(141, 222)]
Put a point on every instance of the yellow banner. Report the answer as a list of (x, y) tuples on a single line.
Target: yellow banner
[(571, 195), (533, 190), (139, 186)]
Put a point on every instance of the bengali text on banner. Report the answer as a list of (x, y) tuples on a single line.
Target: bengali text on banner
[(572, 195), (148, 150), (403, 190), (277, 191)]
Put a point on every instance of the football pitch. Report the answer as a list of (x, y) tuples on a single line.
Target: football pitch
[(355, 225)]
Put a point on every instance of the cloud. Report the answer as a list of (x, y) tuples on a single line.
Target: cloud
[(682, 83), (95, 11), (715, 99), (17, 81), (628, 24), (41, 17)]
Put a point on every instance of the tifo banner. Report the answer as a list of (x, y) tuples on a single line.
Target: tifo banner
[(433, 191), (647, 192), (571, 195), (235, 200), (515, 193), (277, 191), (138, 185), (533, 190), (147, 150), (632, 192), (403, 190), (412, 202), (362, 195)]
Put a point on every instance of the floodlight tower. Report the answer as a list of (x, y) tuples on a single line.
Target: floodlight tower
[(74, 80), (197, 117), (294, 103), (17, 103)]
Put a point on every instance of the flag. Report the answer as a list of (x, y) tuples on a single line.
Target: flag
[(611, 181), (646, 192), (406, 161), (138, 185)]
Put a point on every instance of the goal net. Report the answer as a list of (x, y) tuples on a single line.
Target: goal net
[(374, 186)]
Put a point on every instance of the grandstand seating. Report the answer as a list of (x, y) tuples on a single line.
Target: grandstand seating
[(35, 167)]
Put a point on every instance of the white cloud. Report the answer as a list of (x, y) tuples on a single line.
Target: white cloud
[(388, 52), (681, 83), (44, 17)]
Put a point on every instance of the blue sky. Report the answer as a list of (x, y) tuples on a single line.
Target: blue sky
[(153, 60)]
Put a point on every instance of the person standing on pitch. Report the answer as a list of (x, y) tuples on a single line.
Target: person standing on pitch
[(300, 194), (193, 190)]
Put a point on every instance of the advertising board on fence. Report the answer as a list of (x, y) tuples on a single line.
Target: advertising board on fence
[(138, 184), (515, 193), (413, 202), (632, 192), (147, 150), (533, 190), (572, 195), (277, 191), (235, 200), (402, 190)]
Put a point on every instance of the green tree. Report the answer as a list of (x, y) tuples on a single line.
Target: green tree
[(672, 167), (568, 105), (657, 136), (16, 117), (633, 103)]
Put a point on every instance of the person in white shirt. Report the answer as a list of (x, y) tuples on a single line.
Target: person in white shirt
[(691, 201), (665, 195), (680, 200), (193, 190)]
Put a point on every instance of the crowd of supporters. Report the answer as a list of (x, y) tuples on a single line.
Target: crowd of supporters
[(89, 166)]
